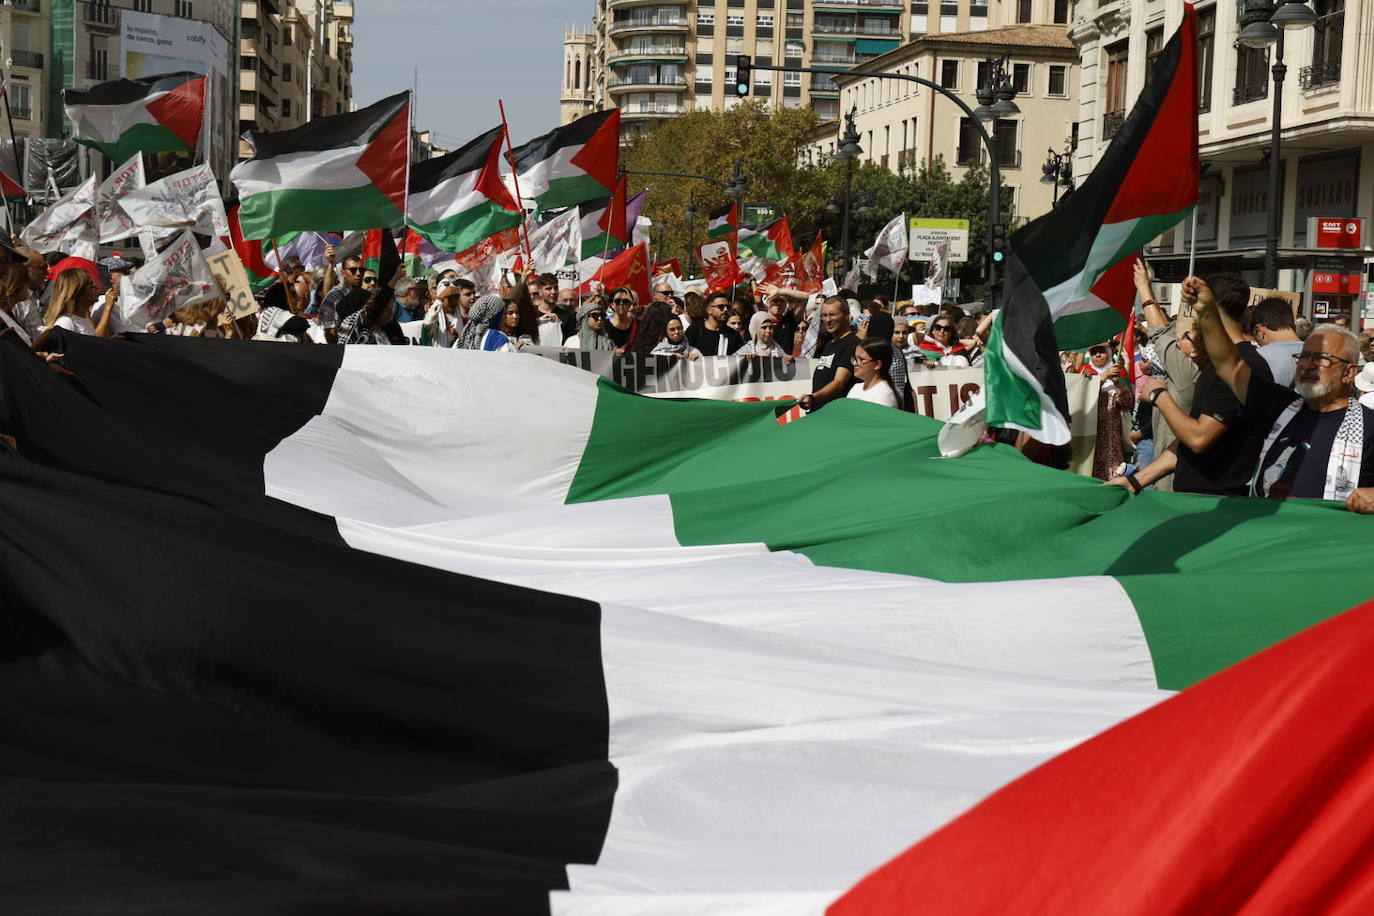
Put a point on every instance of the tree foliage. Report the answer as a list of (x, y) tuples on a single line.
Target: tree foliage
[(771, 144)]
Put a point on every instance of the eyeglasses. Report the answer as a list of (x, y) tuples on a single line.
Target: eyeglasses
[(622, 302), (856, 360), (1320, 360), (354, 270)]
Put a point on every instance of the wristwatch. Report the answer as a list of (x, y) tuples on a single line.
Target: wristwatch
[(1153, 397)]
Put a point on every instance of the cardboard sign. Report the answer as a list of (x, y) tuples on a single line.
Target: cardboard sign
[(233, 280)]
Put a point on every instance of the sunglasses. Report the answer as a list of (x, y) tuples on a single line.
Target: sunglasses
[(943, 327), (596, 316), (353, 270), (368, 281), (622, 302)]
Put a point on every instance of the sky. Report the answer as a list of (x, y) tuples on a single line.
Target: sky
[(469, 54)]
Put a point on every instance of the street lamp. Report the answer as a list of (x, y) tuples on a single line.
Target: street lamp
[(1058, 169), (691, 216), (738, 185), (848, 153), (1258, 20), (995, 101)]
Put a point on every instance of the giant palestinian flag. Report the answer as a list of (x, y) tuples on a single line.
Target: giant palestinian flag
[(459, 200), (354, 641), (1068, 276), (571, 164), (343, 171), (123, 118)]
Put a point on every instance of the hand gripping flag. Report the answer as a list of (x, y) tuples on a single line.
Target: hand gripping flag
[(343, 171), (1067, 277), (458, 200), (124, 118)]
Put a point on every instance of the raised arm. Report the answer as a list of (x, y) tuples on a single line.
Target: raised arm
[(1221, 350)]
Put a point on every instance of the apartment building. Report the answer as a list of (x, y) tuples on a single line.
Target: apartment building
[(1327, 124), (295, 63), (902, 125), (656, 59)]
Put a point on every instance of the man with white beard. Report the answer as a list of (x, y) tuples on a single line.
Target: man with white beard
[(1320, 443)]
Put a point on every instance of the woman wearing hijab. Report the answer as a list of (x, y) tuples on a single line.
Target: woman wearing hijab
[(1115, 401), (483, 327), (762, 338), (881, 325), (591, 329)]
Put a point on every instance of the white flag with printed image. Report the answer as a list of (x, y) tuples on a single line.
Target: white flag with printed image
[(889, 250)]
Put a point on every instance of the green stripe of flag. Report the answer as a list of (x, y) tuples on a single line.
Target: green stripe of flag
[(463, 230), (267, 214)]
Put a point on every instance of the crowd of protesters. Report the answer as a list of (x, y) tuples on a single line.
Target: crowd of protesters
[(1225, 398)]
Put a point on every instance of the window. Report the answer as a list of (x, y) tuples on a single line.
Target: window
[(704, 74), (794, 49), (763, 77), (970, 150), (288, 37), (984, 76), (1023, 10), (765, 20), (791, 78), (706, 17), (286, 107), (734, 46), (1004, 141), (1059, 79), (143, 6), (183, 9), (1206, 42), (1020, 78), (1252, 75), (1154, 46), (1326, 45), (286, 73), (949, 74), (1061, 12), (1115, 102), (764, 47), (734, 20), (795, 20)]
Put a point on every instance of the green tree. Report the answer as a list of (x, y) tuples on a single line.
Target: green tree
[(770, 143)]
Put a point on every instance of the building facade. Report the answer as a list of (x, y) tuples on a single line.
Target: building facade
[(656, 59), (295, 63), (578, 98), (903, 125), (1327, 124)]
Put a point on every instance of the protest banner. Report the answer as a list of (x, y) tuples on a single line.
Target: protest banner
[(233, 281), (114, 223), (176, 277), (185, 200)]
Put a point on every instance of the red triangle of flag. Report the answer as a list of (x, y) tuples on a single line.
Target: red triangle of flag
[(489, 182), (386, 162), (182, 111), (612, 221), (600, 156)]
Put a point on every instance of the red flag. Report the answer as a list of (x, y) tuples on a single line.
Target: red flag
[(672, 266), (815, 264), (260, 273), (612, 220), (718, 263), (629, 269)]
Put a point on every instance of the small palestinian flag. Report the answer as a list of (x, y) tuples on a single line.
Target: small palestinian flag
[(572, 164), (458, 200), (772, 242), (1067, 273), (417, 253), (604, 226), (723, 222), (380, 255), (341, 171), (122, 118)]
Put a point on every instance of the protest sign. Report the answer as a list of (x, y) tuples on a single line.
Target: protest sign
[(233, 282), (176, 277), (114, 222), (186, 200), (69, 225)]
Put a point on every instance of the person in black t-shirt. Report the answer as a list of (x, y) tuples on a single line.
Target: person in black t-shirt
[(834, 371), (1216, 446), (711, 336)]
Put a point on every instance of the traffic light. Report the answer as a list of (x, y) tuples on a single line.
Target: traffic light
[(999, 243), (744, 65)]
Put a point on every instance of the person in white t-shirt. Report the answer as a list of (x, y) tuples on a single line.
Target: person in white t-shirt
[(74, 293), (872, 357)]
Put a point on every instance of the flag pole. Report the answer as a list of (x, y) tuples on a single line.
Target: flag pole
[(515, 175), (1192, 243)]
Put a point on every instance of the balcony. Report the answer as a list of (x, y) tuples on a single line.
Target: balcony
[(100, 14), (21, 112), (1111, 123), (27, 6), (653, 109), (624, 83), (642, 23), (1315, 77), (823, 84), (646, 52), (834, 60), (839, 28), (859, 4), (1250, 92), (628, 4), (30, 59)]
